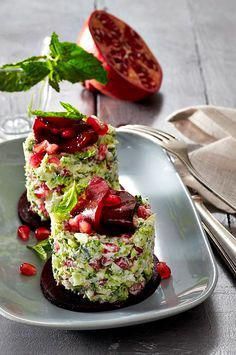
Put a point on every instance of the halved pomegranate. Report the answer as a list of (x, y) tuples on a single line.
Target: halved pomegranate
[(133, 71)]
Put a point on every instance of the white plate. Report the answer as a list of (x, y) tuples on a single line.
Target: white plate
[(180, 241)]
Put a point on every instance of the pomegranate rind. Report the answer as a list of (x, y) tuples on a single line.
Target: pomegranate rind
[(119, 86)]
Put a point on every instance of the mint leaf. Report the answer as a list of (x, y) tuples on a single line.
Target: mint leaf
[(69, 107), (71, 113), (66, 61), (42, 249), (23, 75), (68, 202)]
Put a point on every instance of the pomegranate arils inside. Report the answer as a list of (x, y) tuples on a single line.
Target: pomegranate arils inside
[(42, 233), (163, 270), (35, 159), (120, 48), (23, 232), (28, 269)]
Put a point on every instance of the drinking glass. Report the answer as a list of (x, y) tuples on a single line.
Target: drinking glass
[(15, 119)]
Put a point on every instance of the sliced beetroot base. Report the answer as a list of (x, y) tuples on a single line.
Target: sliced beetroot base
[(66, 299), (28, 217)]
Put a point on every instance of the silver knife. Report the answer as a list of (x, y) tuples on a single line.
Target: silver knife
[(220, 236)]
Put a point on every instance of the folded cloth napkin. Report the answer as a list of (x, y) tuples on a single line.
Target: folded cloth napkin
[(211, 133)]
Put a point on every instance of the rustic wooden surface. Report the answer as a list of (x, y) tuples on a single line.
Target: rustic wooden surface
[(195, 43)]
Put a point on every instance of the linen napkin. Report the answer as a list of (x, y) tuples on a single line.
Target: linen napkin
[(211, 133)]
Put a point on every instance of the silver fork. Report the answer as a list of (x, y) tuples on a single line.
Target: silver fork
[(179, 149)]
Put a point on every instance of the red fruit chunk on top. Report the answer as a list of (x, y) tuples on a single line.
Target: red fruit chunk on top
[(163, 270), (28, 269), (100, 127), (95, 193), (107, 210), (69, 135), (23, 232)]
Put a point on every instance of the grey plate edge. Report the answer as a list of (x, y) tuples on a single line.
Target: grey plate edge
[(136, 319)]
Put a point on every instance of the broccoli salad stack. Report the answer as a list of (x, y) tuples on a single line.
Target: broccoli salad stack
[(103, 248), (66, 147), (102, 238)]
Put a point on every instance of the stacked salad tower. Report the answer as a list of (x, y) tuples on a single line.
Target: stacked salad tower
[(102, 237)]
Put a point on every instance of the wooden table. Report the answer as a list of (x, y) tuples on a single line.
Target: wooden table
[(195, 43)]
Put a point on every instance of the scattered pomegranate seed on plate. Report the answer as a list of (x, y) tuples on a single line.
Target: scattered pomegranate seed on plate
[(163, 270), (28, 269), (23, 232), (42, 233)]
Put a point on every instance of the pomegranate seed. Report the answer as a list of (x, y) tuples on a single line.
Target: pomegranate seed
[(23, 232), (56, 247), (144, 212), (110, 248), (54, 160), (102, 152), (67, 133), (85, 227), (163, 270), (55, 131), (41, 147), (99, 127), (68, 263), (42, 233), (28, 269), (52, 148), (112, 200), (105, 261), (42, 191), (95, 264), (35, 159), (122, 263), (74, 223)]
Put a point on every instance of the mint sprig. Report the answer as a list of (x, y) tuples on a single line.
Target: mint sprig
[(65, 61), (68, 201), (71, 112), (42, 249)]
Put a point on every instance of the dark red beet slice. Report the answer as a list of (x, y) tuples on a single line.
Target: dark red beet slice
[(119, 217), (69, 300), (112, 219), (70, 135), (28, 217)]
